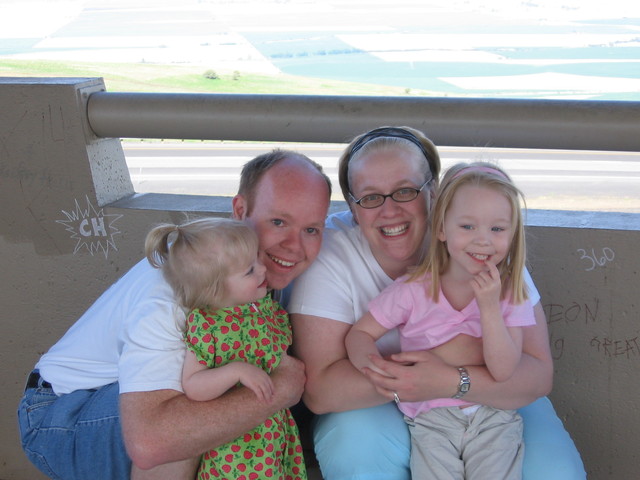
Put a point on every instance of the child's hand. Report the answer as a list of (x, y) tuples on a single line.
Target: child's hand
[(255, 379), (487, 285), (369, 366)]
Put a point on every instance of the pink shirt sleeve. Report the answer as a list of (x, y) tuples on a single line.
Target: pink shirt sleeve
[(520, 315), (393, 306)]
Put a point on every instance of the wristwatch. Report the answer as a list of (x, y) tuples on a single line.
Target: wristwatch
[(465, 383)]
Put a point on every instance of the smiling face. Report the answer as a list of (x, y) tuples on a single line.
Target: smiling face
[(288, 214), (395, 231), (477, 228), (246, 284)]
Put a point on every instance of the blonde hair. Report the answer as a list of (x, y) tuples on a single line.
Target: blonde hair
[(196, 257), (487, 175)]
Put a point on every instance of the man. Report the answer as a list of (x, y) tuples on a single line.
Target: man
[(127, 350)]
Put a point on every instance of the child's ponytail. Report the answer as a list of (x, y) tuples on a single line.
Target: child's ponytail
[(156, 245)]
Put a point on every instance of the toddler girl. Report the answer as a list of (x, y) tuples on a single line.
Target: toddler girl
[(236, 334)]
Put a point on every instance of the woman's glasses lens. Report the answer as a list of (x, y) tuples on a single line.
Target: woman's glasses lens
[(377, 199), (401, 195)]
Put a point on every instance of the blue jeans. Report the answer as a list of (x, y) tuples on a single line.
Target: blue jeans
[(74, 436), (374, 444)]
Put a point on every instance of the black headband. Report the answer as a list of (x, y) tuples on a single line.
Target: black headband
[(390, 132)]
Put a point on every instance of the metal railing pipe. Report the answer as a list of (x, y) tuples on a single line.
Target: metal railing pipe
[(512, 123)]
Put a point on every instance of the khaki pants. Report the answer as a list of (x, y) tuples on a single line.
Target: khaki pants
[(448, 444)]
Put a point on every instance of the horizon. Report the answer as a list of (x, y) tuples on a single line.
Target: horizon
[(541, 49)]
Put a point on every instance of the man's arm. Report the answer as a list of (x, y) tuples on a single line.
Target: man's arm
[(165, 426)]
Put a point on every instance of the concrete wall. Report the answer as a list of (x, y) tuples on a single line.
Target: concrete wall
[(587, 268), (63, 241)]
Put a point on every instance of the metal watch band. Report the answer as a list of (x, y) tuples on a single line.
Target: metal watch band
[(465, 383)]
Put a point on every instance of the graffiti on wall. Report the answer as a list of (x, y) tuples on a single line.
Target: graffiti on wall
[(91, 228), (582, 314), (596, 258)]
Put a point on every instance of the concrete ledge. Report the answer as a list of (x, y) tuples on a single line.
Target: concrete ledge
[(217, 205), (168, 202), (573, 219)]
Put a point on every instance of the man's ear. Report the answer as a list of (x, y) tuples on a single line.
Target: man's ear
[(239, 207)]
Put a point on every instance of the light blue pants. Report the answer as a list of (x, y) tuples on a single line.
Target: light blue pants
[(374, 444), (75, 436)]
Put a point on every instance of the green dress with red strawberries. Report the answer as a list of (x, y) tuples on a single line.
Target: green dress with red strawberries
[(257, 333)]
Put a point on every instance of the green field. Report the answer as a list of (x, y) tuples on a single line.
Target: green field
[(143, 77)]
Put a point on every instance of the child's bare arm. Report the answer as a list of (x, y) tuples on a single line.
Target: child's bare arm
[(502, 346), (502, 350), (202, 383), (360, 342)]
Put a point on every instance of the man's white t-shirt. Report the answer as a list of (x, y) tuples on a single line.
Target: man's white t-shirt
[(132, 334), (346, 276)]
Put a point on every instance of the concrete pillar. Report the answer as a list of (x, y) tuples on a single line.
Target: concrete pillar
[(48, 152)]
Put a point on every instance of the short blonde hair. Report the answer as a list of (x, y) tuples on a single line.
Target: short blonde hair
[(197, 256), (486, 175)]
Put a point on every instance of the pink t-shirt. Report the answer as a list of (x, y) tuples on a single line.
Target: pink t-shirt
[(424, 324)]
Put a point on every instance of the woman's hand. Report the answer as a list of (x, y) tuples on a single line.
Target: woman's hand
[(414, 376), (424, 375)]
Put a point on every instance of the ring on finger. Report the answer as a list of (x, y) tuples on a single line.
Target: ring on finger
[(396, 398)]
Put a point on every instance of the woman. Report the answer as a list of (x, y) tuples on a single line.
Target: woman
[(388, 177)]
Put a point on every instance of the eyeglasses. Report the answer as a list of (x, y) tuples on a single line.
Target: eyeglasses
[(402, 195)]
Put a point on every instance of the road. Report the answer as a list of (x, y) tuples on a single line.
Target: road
[(550, 179)]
